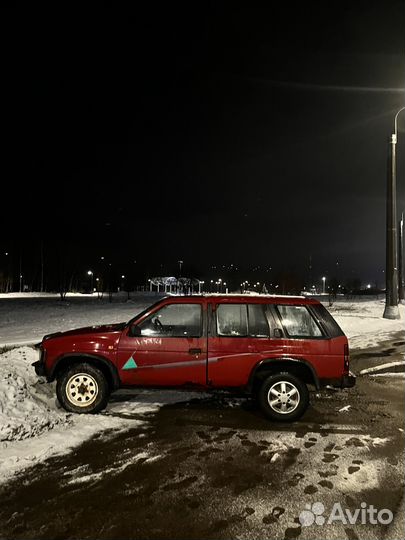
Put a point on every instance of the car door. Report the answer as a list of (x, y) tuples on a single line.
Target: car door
[(166, 348), (239, 338)]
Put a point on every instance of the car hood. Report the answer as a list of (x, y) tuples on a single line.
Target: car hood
[(101, 329)]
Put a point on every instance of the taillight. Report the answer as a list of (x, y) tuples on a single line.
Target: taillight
[(346, 357)]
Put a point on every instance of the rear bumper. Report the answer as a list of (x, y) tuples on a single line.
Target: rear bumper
[(349, 380)]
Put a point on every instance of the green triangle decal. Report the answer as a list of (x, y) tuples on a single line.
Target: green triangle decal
[(130, 364)]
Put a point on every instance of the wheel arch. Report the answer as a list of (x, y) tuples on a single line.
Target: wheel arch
[(299, 367), (105, 365)]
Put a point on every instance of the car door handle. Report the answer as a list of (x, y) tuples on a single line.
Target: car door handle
[(194, 351)]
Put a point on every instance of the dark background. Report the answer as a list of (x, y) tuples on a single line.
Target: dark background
[(216, 135)]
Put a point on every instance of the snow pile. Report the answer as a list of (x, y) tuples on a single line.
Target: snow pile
[(27, 404), (33, 427)]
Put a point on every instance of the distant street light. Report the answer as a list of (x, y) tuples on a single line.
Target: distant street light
[(391, 310), (180, 264), (323, 285)]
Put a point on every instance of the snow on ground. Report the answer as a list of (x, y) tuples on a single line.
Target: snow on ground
[(33, 428), (363, 322), (25, 320)]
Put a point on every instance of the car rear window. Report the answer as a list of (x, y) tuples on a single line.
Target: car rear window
[(326, 320), (298, 322)]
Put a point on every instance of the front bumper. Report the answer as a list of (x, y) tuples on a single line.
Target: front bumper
[(39, 367)]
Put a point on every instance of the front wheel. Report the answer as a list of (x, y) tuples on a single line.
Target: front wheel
[(82, 388), (283, 397)]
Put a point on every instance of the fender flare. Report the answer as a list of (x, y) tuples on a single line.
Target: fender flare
[(282, 360), (101, 359)]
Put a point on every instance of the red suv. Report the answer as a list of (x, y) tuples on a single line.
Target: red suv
[(270, 346)]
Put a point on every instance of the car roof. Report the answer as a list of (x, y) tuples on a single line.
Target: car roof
[(243, 299)]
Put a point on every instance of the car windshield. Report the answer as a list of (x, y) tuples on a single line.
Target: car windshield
[(146, 310)]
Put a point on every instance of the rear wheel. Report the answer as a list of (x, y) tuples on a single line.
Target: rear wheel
[(283, 397), (82, 388)]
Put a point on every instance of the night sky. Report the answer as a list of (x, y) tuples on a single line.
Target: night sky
[(214, 135)]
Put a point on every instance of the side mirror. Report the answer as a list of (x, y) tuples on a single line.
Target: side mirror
[(135, 331), (278, 333)]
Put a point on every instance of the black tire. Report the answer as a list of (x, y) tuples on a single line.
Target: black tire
[(272, 386), (83, 389)]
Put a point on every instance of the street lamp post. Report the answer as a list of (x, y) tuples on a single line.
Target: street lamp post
[(180, 264), (401, 295), (323, 284), (391, 310), (21, 276), (90, 273)]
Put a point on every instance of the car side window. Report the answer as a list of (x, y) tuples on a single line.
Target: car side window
[(258, 325), (232, 320), (173, 320), (241, 320), (298, 322)]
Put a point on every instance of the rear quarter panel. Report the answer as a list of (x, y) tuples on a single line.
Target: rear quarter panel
[(325, 355)]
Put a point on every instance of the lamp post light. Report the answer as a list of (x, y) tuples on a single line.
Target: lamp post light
[(90, 273), (323, 285), (391, 310), (180, 265)]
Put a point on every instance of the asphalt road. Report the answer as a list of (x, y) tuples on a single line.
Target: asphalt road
[(216, 468)]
